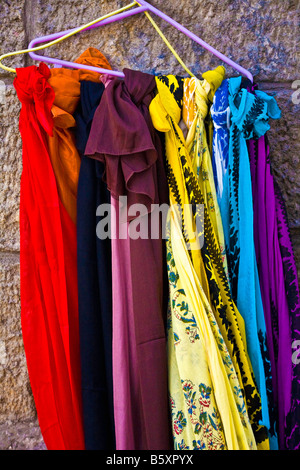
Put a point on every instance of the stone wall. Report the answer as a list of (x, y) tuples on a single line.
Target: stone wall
[(260, 35)]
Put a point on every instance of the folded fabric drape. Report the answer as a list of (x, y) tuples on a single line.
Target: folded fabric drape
[(292, 421), (185, 190), (49, 242), (49, 313), (195, 109), (94, 285), (62, 146), (249, 117), (220, 113), (279, 287), (134, 169), (160, 304)]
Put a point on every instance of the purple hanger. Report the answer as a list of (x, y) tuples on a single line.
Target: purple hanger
[(145, 6)]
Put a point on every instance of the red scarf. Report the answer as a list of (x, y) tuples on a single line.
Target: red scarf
[(48, 269)]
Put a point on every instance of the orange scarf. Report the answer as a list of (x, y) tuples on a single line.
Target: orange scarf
[(64, 155)]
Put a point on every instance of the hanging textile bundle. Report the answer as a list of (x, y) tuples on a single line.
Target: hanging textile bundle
[(159, 294), (49, 305)]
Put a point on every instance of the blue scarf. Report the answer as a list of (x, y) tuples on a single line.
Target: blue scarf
[(220, 113)]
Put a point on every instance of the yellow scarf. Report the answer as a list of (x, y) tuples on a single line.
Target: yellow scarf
[(205, 263), (208, 408), (188, 278), (195, 109)]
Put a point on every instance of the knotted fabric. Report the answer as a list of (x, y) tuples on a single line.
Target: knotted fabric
[(123, 141)]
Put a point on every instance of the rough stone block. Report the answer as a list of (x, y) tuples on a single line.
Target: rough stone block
[(284, 138), (261, 36), (12, 32), (16, 400), (10, 169), (24, 435)]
